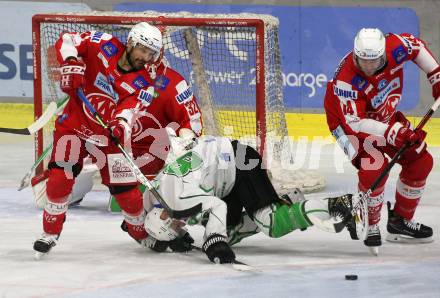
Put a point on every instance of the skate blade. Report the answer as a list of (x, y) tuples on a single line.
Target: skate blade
[(374, 250), (39, 255), (398, 238)]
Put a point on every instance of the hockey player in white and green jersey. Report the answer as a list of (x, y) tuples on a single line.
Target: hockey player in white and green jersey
[(238, 199)]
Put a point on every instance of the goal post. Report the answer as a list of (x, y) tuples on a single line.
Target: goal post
[(232, 62)]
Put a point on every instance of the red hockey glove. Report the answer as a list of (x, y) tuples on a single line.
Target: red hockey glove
[(434, 79), (121, 131), (72, 75), (397, 135)]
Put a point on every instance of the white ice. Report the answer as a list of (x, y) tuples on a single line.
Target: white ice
[(94, 258)]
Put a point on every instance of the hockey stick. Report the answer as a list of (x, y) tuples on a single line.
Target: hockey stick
[(26, 179), (362, 203), (50, 111), (178, 214)]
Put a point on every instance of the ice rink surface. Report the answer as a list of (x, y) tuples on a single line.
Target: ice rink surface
[(94, 258)]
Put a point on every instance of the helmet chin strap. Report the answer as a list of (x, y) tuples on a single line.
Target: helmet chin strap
[(378, 70)]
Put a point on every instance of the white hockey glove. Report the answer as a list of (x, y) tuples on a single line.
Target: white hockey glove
[(182, 143)]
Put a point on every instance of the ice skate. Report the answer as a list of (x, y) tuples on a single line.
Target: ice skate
[(340, 207), (44, 244), (406, 231), (374, 240)]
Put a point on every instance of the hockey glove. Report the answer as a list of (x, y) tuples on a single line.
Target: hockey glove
[(434, 79), (182, 244), (72, 75), (154, 244), (218, 250), (121, 130), (397, 135)]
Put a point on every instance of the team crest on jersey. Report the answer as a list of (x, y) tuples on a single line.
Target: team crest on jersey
[(103, 104), (103, 84), (161, 82), (184, 92), (382, 84), (140, 82), (399, 54), (109, 49), (359, 82), (190, 162)]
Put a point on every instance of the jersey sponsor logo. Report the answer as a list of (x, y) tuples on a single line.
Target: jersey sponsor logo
[(146, 96), (382, 84), (109, 49), (342, 92), (161, 82), (182, 166), (184, 92), (127, 87), (395, 69), (102, 84), (381, 97), (103, 59), (119, 171), (225, 156), (359, 82), (407, 43), (369, 88), (140, 82), (96, 36), (399, 54), (344, 142)]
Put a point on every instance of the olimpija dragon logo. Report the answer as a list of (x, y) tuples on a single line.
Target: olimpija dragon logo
[(182, 166)]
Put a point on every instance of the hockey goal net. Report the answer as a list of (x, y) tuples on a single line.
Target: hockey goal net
[(232, 62)]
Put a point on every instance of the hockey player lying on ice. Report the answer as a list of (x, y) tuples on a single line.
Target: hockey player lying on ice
[(226, 176)]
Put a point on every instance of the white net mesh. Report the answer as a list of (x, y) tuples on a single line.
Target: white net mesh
[(219, 62)]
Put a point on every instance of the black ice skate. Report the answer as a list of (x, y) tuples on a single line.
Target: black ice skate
[(406, 231), (44, 244), (374, 240), (341, 207)]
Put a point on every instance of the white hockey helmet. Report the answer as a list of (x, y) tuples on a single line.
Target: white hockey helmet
[(159, 228), (148, 36), (369, 44)]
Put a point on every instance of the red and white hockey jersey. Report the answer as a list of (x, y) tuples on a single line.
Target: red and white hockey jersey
[(360, 106), (105, 85), (114, 93)]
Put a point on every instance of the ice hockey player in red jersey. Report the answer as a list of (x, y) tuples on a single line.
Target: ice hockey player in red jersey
[(116, 79), (361, 106)]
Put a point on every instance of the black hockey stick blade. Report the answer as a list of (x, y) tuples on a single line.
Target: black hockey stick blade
[(17, 131), (179, 214)]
